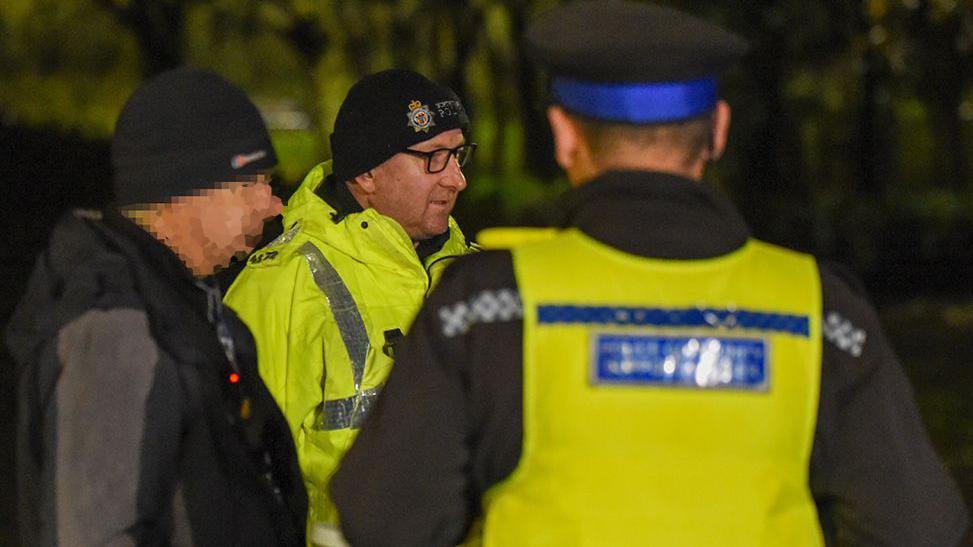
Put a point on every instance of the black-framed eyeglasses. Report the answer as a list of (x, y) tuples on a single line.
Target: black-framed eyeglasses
[(438, 159)]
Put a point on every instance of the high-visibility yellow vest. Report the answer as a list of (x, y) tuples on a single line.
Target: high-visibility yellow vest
[(324, 302), (666, 402)]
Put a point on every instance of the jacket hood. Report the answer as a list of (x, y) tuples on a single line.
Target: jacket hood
[(76, 272), (305, 198)]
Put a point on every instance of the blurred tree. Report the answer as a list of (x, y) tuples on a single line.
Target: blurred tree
[(63, 64), (850, 115), (770, 190), (942, 34), (158, 29)]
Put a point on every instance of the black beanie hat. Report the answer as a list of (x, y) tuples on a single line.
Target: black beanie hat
[(387, 112), (183, 130)]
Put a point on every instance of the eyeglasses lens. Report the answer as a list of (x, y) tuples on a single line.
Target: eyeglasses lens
[(439, 159), (464, 154)]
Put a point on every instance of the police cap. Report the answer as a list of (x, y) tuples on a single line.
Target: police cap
[(631, 62)]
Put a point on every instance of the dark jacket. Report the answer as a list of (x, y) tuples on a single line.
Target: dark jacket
[(141, 415), (449, 424)]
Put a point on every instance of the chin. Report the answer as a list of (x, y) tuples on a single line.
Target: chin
[(436, 230)]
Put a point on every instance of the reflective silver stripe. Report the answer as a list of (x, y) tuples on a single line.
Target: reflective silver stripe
[(351, 411), (346, 413), (346, 314), (285, 237)]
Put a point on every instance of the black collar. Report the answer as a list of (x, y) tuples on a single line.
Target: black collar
[(168, 290), (657, 215), (159, 258), (152, 249), (337, 195), (427, 247)]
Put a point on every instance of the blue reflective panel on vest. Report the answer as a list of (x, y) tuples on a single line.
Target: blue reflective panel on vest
[(681, 361), (799, 325)]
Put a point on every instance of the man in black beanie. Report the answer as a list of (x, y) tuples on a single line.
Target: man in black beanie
[(142, 418), (362, 246)]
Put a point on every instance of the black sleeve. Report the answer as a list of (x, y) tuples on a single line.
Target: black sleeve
[(448, 424), (874, 473)]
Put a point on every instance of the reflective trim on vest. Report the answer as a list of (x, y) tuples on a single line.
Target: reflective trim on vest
[(343, 306), (680, 317), (347, 413)]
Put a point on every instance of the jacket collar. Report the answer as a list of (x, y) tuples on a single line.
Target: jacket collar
[(339, 197), (107, 261), (325, 207), (431, 246), (653, 214), (156, 253)]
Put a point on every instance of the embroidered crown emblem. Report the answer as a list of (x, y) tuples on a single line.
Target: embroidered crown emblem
[(419, 116)]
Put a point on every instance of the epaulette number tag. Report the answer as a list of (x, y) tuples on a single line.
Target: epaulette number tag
[(262, 257)]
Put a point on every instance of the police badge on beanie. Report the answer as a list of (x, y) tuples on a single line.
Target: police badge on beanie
[(387, 112), (185, 130)]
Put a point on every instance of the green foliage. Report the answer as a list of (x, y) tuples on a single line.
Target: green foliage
[(847, 115), (57, 72), (297, 153)]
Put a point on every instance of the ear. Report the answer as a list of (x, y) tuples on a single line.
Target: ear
[(566, 137), (365, 181), (721, 129)]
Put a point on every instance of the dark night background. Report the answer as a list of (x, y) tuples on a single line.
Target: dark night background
[(851, 138)]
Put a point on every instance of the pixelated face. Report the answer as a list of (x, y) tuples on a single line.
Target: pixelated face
[(224, 222), (421, 202), (236, 215)]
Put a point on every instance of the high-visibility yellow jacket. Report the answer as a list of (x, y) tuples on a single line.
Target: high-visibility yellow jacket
[(666, 402), (325, 301)]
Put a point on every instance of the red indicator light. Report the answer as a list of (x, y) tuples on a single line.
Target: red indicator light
[(234, 377)]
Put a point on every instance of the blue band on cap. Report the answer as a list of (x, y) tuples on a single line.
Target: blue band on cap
[(637, 103)]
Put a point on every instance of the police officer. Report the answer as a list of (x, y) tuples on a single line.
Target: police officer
[(651, 374), (331, 297)]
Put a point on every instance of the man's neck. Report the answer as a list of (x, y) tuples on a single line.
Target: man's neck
[(636, 161)]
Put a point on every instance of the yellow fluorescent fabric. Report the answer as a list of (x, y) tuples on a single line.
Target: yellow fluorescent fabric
[(507, 237), (302, 355), (642, 463)]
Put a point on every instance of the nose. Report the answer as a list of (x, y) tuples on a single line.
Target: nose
[(267, 203), (275, 207), (453, 176)]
